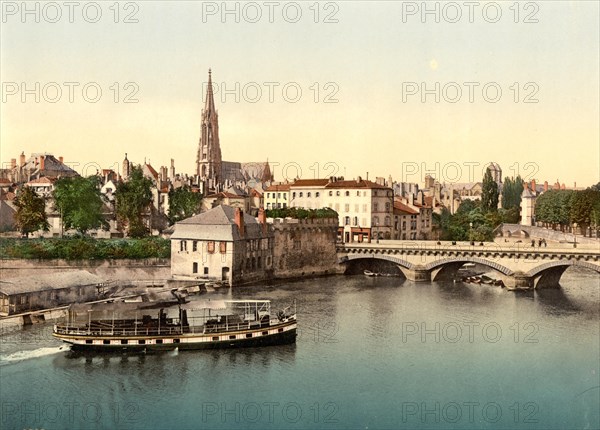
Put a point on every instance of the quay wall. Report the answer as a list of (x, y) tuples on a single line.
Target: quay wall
[(157, 269)]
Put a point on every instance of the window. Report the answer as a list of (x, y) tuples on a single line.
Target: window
[(358, 193), (337, 193), (278, 195), (206, 270), (330, 193), (194, 267), (387, 206), (294, 195), (248, 335), (347, 193), (374, 193), (210, 247), (375, 220), (284, 205), (284, 196), (223, 247), (347, 220), (375, 207), (308, 194), (183, 245), (259, 262), (355, 221), (268, 206), (195, 245), (317, 194), (387, 221), (346, 207), (300, 194), (278, 205)]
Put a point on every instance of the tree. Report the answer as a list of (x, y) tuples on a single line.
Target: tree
[(183, 203), (554, 208), (133, 199), (31, 212), (489, 193), (79, 201), (582, 206), (511, 192)]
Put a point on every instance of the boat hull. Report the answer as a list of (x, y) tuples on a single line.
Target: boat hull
[(279, 334)]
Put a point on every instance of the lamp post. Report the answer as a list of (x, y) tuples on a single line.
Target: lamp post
[(574, 235), (471, 232)]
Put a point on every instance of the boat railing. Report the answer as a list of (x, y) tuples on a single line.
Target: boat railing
[(107, 330)]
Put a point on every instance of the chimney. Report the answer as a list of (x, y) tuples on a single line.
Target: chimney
[(262, 219), (13, 163), (61, 159), (574, 185), (239, 221), (545, 185), (562, 187), (358, 180), (533, 185), (22, 159), (42, 162)]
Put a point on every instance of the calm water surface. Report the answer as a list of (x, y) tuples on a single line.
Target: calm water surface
[(372, 353)]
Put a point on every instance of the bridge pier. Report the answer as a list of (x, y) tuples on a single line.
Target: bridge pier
[(520, 281), (418, 274)]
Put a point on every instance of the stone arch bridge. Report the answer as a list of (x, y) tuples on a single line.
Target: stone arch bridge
[(519, 266)]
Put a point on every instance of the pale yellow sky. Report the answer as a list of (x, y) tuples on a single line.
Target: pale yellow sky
[(361, 80)]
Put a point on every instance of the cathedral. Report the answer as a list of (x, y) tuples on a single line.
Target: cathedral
[(214, 174)]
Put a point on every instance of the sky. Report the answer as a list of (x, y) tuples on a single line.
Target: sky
[(317, 88)]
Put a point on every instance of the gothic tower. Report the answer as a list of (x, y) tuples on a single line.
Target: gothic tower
[(208, 161)]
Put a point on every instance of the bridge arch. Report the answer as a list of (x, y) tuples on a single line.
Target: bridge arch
[(563, 264), (402, 263), (467, 259)]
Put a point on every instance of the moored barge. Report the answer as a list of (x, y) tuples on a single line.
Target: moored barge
[(201, 324)]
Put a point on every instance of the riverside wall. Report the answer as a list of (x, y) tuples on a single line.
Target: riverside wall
[(123, 270), (304, 247)]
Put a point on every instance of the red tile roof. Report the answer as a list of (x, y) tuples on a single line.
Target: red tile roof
[(402, 209), (280, 187), (42, 180), (363, 183), (310, 182)]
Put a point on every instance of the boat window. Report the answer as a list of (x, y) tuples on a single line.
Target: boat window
[(176, 340), (88, 341), (141, 342), (232, 337), (264, 333), (106, 342), (248, 334), (215, 338), (280, 330), (124, 341)]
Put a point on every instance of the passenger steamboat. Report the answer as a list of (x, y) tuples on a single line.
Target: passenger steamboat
[(201, 324)]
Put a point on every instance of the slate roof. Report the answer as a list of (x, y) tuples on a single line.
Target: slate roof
[(217, 224)]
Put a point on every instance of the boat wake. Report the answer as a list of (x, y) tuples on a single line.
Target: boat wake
[(175, 352), (34, 353)]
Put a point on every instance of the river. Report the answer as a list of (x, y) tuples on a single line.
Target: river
[(372, 353)]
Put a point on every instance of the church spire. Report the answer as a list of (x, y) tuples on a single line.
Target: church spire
[(208, 161), (209, 104)]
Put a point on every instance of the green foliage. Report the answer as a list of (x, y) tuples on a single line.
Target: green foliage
[(554, 207), (85, 248), (582, 205), (511, 192), (183, 203), (468, 223), (31, 211), (80, 203), (510, 216), (133, 198), (489, 193), (300, 213)]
